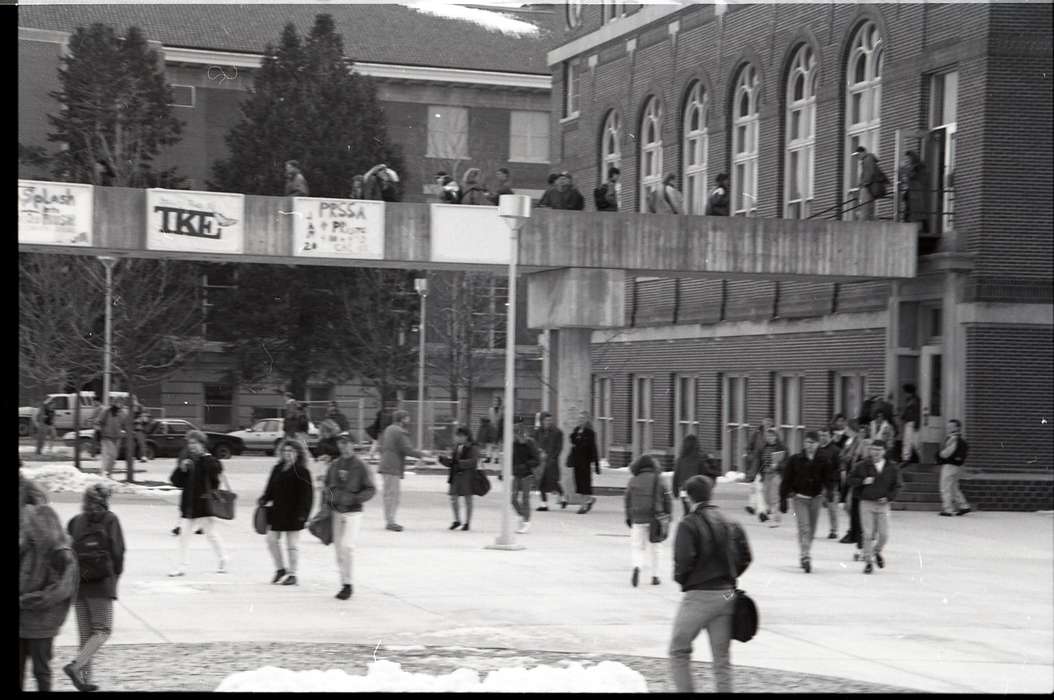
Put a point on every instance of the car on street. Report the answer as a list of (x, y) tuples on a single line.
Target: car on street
[(265, 434), (165, 437)]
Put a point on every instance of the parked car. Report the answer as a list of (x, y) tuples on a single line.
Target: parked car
[(265, 435), (166, 437), (63, 405)]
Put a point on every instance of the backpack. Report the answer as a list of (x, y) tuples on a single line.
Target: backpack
[(92, 548)]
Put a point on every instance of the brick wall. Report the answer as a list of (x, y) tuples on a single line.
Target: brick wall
[(1022, 495)]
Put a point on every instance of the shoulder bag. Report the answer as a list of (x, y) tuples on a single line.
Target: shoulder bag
[(745, 612), (260, 520), (480, 483), (659, 525), (321, 526), (219, 503)]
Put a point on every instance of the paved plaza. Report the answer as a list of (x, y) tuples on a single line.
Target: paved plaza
[(963, 605)]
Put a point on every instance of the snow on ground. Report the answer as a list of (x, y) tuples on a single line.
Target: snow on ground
[(58, 477), (485, 18), (387, 676)]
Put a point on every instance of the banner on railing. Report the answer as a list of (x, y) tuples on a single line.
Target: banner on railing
[(55, 213), (195, 222), (468, 234), (338, 228)]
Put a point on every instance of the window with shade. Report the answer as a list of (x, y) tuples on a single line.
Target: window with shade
[(696, 149), (650, 152), (745, 143), (789, 410), (528, 137), (863, 103), (643, 422), (571, 89), (447, 132), (611, 149), (801, 134)]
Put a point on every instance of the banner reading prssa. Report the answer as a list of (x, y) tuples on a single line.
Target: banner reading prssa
[(338, 228), (55, 213), (199, 222)]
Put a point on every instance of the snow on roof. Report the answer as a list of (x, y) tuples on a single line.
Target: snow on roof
[(485, 18)]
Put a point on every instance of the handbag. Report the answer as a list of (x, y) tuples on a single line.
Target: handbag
[(480, 483), (744, 610), (219, 503), (659, 525), (260, 520), (321, 525)]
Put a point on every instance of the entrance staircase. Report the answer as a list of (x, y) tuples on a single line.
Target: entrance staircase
[(921, 490)]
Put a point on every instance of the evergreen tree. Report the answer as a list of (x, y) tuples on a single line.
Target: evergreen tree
[(115, 116), (306, 105)]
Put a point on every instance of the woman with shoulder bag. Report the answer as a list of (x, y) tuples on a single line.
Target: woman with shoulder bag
[(462, 462), (289, 493), (646, 497), (197, 474)]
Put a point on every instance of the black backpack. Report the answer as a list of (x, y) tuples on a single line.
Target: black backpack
[(92, 548)]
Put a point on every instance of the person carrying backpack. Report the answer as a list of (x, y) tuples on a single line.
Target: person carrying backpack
[(872, 184), (98, 543)]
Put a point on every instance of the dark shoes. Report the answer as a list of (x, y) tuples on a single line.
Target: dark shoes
[(176, 530), (78, 682), (636, 576), (880, 561), (763, 517), (806, 565), (464, 527), (847, 539), (290, 580), (199, 531), (278, 576), (587, 507), (750, 510), (455, 525), (563, 504), (946, 515), (655, 580), (345, 593), (963, 511), (868, 569), (542, 508), (832, 535), (394, 528)]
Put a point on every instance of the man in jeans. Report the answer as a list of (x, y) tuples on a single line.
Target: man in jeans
[(831, 452), (395, 448), (348, 486), (525, 459), (951, 458), (706, 548), (808, 475), (879, 482), (112, 424)]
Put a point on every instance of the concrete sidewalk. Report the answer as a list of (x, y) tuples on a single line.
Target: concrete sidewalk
[(963, 605)]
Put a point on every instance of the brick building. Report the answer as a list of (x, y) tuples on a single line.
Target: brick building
[(778, 96)]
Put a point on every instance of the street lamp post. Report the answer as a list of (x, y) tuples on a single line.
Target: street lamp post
[(421, 285), (108, 262), (515, 209)]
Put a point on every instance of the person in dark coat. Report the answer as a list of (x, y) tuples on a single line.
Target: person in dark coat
[(197, 474), (913, 185), (690, 462), (645, 497), (47, 583), (806, 477), (338, 416), (381, 182), (94, 604), (504, 186), (295, 183), (550, 186), (525, 459), (348, 485), (879, 481), (472, 190), (564, 195), (719, 203), (289, 495), (550, 441), (605, 197), (462, 463), (583, 454)]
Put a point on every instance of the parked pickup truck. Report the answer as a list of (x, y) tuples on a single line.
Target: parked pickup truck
[(63, 405)]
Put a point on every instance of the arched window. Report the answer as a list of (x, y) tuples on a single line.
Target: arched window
[(863, 103), (574, 13), (801, 134), (696, 149), (650, 152), (745, 143), (611, 150)]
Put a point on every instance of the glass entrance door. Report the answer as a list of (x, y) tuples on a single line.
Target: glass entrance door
[(930, 381)]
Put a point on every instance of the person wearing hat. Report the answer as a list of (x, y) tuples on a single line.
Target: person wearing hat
[(705, 546), (879, 481), (348, 485), (807, 476), (94, 603)]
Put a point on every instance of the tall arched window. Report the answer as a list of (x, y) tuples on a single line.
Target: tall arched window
[(863, 103), (611, 150), (801, 134), (745, 143), (650, 152), (696, 149)]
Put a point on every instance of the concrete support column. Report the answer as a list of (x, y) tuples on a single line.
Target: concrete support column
[(953, 349), (892, 342)]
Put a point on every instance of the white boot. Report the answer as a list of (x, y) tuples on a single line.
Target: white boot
[(524, 527)]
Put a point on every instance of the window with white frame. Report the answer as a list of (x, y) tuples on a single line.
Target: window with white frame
[(650, 152), (944, 107), (735, 390), (850, 388), (447, 132), (684, 412), (573, 10), (182, 96), (745, 143), (801, 134), (217, 285), (789, 404), (696, 148), (863, 103), (602, 414), (489, 314), (571, 89), (611, 150), (612, 10), (529, 137), (643, 422)]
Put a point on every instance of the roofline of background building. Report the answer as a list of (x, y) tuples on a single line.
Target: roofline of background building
[(390, 71), (613, 30)]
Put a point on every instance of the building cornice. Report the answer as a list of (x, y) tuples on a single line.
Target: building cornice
[(833, 323), (612, 30)]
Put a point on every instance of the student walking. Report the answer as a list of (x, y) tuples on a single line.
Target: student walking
[(691, 462), (771, 460), (112, 423), (705, 546), (854, 450), (197, 474), (832, 453), (44, 423), (910, 417), (525, 459), (348, 484), (496, 418), (758, 440), (646, 496), (550, 441), (951, 457), (462, 463), (395, 448), (99, 543), (879, 482), (806, 477), (583, 454), (288, 497)]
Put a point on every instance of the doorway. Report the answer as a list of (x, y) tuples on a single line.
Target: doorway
[(930, 395)]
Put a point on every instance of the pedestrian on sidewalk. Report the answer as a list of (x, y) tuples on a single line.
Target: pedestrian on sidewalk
[(289, 494), (583, 454), (881, 427), (47, 582), (336, 415), (112, 424), (805, 478), (771, 462), (705, 546), (550, 441), (395, 448), (44, 424), (496, 415), (183, 454), (854, 450), (99, 543), (951, 457), (140, 421), (910, 415), (879, 481), (197, 474), (832, 453), (691, 462), (758, 440), (462, 463), (525, 459), (328, 432), (646, 497), (348, 484)]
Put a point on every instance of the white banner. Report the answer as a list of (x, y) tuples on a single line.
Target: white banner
[(201, 222), (338, 228), (55, 213), (469, 234)]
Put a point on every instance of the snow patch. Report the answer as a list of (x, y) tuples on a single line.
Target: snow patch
[(494, 21), (58, 477), (387, 676), (731, 477)]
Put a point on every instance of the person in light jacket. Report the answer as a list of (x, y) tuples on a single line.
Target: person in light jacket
[(668, 199), (646, 496), (94, 603), (951, 457), (197, 474), (395, 448), (348, 484), (462, 463), (112, 424), (289, 493), (472, 190)]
